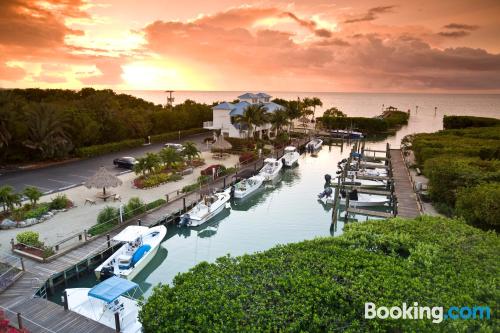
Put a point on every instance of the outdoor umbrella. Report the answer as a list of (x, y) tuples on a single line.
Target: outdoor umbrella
[(221, 143), (102, 179)]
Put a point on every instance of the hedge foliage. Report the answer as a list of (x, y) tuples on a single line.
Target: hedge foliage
[(96, 150), (460, 161), (29, 238), (322, 285), (392, 120), (458, 122)]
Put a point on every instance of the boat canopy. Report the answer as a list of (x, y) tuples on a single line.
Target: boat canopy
[(130, 233), (269, 160), (290, 149), (112, 288)]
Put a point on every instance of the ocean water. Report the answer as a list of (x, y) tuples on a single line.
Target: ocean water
[(427, 110)]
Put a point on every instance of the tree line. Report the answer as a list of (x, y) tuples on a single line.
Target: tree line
[(45, 124)]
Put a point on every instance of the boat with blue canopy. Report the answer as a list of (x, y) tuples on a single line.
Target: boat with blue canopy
[(110, 303)]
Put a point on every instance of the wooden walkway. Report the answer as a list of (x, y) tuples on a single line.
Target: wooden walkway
[(403, 188)]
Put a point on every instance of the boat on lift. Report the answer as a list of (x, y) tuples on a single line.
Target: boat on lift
[(207, 208), (110, 302), (346, 134), (291, 156), (355, 199), (140, 246), (246, 187), (271, 169), (314, 145)]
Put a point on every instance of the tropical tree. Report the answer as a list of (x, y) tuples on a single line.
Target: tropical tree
[(47, 131), (169, 156), (334, 112), (140, 166), (151, 162), (253, 115), (5, 135), (190, 150), (278, 120), (7, 197), (313, 102), (33, 194)]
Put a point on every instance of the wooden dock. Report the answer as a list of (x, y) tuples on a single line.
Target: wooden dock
[(407, 204), (368, 212)]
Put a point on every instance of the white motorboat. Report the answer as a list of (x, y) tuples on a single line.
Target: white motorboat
[(314, 145), (367, 172), (291, 156), (207, 208), (106, 301), (355, 199), (247, 186), (364, 183), (346, 134), (271, 169), (140, 246)]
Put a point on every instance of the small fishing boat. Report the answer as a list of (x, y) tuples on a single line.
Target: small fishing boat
[(208, 207), (247, 186), (271, 169), (355, 199), (346, 134), (291, 156), (140, 246), (108, 302), (314, 145), (367, 172), (364, 183)]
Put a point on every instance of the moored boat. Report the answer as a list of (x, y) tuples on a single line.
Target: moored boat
[(271, 169), (314, 145), (291, 156), (346, 134), (107, 303), (355, 199), (208, 207), (140, 246), (247, 186)]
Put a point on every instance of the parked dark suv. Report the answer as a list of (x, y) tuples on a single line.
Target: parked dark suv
[(125, 162)]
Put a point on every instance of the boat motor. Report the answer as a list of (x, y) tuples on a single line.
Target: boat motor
[(326, 193), (328, 180), (185, 220), (353, 195), (106, 272)]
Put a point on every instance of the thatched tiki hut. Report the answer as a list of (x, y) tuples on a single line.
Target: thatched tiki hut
[(221, 144), (102, 179)]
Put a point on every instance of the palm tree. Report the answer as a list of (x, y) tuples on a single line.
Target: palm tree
[(279, 119), (315, 101), (190, 150), (47, 131), (140, 166), (169, 156), (7, 197), (33, 194), (253, 115), (151, 162)]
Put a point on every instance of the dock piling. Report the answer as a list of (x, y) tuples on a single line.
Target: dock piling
[(108, 238), (19, 321), (65, 296), (117, 322)]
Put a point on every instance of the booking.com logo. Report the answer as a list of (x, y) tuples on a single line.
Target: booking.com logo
[(436, 313)]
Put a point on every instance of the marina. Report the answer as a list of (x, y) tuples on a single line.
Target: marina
[(235, 231)]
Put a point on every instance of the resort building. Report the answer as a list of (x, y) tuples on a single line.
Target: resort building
[(225, 113)]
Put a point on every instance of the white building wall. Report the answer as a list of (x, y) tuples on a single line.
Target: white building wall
[(221, 119)]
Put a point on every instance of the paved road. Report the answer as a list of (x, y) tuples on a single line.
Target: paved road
[(60, 177)]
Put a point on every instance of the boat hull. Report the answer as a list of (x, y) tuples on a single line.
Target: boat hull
[(195, 223)]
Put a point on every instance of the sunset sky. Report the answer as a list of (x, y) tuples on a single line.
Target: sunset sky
[(301, 45)]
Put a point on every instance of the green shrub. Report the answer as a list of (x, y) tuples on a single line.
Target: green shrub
[(136, 206), (153, 180), (457, 122), (101, 228), (97, 150), (174, 177), (190, 188), (322, 285), (227, 171), (203, 179), (29, 238), (156, 203), (480, 205), (108, 214), (38, 211), (61, 201)]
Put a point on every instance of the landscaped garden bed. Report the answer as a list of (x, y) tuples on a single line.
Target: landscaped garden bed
[(29, 245)]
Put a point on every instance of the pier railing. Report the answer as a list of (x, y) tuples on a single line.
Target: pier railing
[(11, 268)]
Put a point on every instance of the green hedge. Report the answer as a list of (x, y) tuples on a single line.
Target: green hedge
[(480, 205), (97, 150), (163, 138), (322, 285), (457, 122)]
